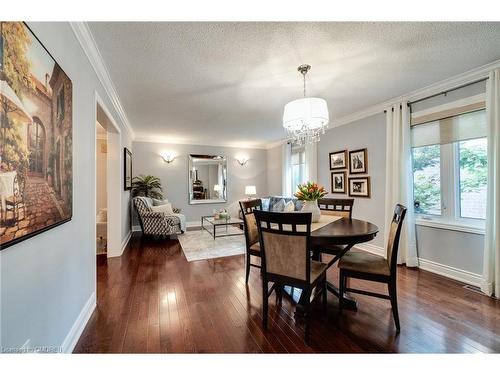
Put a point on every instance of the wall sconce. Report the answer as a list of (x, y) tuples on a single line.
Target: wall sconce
[(242, 161), (167, 157)]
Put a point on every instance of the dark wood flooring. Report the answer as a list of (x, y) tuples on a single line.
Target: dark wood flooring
[(152, 300)]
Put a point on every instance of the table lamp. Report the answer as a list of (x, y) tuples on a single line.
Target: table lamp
[(250, 190), (218, 189)]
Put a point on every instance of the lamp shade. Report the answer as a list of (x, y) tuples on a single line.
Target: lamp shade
[(250, 190), (309, 112), (217, 188)]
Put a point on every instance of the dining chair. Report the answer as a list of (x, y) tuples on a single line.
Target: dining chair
[(251, 232), (366, 266), (336, 207), (333, 207), (285, 240)]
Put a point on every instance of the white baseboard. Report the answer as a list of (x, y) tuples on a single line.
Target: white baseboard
[(463, 276), (192, 224), (125, 241), (370, 248), (76, 330)]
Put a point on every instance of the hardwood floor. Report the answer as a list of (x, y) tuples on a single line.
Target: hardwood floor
[(152, 300)]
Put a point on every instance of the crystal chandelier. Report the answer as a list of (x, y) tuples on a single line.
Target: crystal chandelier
[(305, 119)]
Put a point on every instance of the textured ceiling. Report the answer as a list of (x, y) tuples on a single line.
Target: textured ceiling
[(226, 83)]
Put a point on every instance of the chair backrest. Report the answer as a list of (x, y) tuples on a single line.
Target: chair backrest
[(285, 244), (250, 225), (142, 207), (336, 207), (394, 234)]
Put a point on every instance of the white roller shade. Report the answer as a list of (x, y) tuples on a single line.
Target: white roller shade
[(466, 126)]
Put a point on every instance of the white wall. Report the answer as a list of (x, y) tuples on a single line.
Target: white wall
[(366, 133), (174, 176), (274, 159), (47, 280)]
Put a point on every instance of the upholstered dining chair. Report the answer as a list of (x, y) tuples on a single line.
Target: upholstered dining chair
[(334, 207), (366, 266), (251, 232), (285, 252)]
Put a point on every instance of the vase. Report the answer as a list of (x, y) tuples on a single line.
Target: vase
[(312, 206)]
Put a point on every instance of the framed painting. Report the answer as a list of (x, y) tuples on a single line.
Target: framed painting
[(127, 175), (359, 187), (339, 182), (338, 160), (358, 161), (36, 150)]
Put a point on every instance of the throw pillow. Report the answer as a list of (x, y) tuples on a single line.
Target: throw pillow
[(159, 202), (265, 203), (167, 208), (280, 206), (289, 207)]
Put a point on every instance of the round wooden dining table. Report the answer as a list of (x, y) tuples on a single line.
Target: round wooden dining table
[(344, 234)]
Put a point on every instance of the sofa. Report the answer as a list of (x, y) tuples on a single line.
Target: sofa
[(269, 202), (158, 223)]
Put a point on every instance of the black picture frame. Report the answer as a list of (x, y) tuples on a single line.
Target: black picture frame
[(366, 193), (333, 154), (127, 169), (344, 185), (363, 169), (67, 153)]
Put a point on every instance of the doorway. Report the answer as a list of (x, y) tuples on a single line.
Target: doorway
[(107, 183)]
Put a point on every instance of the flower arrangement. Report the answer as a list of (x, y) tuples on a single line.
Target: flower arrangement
[(310, 191)]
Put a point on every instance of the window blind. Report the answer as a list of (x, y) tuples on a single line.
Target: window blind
[(462, 127)]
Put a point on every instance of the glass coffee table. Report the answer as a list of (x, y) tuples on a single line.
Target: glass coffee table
[(212, 223)]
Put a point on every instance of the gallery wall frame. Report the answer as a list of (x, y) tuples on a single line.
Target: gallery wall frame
[(359, 187), (358, 161)]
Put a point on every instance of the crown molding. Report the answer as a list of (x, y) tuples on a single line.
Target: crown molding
[(89, 46), (141, 137), (435, 88)]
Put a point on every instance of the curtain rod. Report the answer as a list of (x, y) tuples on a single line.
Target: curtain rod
[(444, 92)]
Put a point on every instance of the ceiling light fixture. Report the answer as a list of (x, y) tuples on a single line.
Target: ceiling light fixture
[(307, 118)]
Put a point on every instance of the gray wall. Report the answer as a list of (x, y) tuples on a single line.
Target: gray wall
[(47, 280), (274, 173), (366, 133), (174, 176)]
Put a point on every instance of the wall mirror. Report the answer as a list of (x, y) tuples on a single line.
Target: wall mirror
[(207, 179)]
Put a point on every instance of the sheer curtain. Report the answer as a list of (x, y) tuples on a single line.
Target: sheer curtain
[(286, 171), (311, 162), (491, 267), (399, 181)]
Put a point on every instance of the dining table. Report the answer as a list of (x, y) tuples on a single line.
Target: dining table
[(343, 233)]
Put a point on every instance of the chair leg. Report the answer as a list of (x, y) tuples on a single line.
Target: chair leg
[(342, 280), (279, 293), (325, 297), (265, 292), (394, 303), (247, 268), (307, 316)]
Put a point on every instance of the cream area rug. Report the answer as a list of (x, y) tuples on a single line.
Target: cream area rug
[(200, 245)]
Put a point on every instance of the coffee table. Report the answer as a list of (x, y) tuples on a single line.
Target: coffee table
[(214, 223)]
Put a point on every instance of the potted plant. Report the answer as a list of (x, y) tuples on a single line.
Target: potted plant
[(147, 186), (309, 193)]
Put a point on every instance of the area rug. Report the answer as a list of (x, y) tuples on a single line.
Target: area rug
[(200, 245)]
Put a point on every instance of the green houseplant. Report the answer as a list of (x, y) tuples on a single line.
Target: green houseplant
[(147, 186)]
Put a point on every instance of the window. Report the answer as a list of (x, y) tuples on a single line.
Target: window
[(298, 163), (473, 173), (450, 168)]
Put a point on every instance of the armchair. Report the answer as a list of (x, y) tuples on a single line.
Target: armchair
[(157, 223)]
